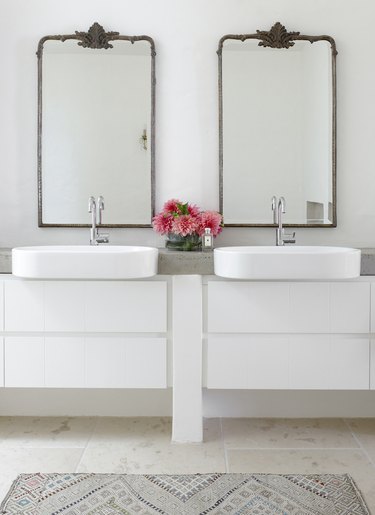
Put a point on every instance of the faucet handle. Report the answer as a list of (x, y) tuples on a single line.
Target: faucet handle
[(100, 204), (92, 204), (289, 237), (282, 204), (102, 237)]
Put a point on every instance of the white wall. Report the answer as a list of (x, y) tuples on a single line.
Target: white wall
[(186, 34)]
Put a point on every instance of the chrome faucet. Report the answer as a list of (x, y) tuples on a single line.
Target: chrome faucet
[(278, 208), (96, 208)]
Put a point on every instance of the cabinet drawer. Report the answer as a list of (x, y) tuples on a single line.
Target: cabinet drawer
[(94, 362), (300, 307), (94, 306), (295, 362)]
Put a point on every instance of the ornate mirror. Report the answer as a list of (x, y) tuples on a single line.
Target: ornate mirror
[(96, 97), (277, 96)]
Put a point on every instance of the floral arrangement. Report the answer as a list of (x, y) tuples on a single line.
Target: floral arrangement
[(185, 223)]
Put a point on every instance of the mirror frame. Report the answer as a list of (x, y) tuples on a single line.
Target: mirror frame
[(279, 37), (95, 37)]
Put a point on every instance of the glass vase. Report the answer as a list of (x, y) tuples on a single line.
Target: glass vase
[(186, 243)]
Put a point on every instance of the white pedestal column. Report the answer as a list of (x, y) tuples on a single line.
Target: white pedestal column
[(187, 358)]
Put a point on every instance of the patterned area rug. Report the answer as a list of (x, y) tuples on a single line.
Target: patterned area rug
[(199, 494)]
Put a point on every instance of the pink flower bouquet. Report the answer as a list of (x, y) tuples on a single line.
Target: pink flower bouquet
[(185, 223)]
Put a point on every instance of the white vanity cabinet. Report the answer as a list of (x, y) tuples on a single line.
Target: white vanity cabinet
[(84, 334), (372, 341), (288, 335), (1, 362), (1, 337)]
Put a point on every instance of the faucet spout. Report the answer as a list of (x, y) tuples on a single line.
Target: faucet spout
[(96, 208)]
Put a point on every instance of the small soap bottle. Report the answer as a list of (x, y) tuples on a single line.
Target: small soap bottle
[(207, 240)]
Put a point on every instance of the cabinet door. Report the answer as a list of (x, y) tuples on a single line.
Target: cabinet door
[(24, 306), (146, 363), (64, 362), (251, 362), (350, 307), (309, 308), (24, 362), (105, 362), (64, 305), (329, 363)]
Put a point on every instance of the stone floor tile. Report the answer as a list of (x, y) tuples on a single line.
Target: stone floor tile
[(17, 461), (287, 433), (146, 448), (112, 431), (364, 430), (45, 431)]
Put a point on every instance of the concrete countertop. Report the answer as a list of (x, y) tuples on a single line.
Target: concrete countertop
[(174, 262), (5, 261), (367, 261), (200, 263)]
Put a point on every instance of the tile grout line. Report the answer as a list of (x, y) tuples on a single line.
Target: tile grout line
[(224, 446), (360, 445), (292, 448), (87, 442)]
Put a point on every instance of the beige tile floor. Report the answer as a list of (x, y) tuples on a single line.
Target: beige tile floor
[(142, 445)]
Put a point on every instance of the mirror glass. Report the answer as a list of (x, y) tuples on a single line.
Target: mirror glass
[(96, 128), (277, 128)]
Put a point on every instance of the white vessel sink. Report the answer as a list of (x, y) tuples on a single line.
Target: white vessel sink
[(287, 262), (84, 262)]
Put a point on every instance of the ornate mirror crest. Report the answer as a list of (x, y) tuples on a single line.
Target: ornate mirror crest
[(95, 37)]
